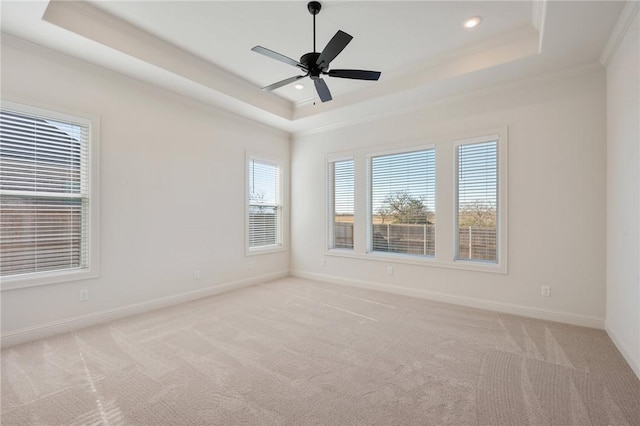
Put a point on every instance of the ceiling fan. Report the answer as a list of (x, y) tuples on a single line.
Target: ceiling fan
[(317, 64)]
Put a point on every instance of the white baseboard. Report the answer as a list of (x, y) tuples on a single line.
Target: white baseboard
[(634, 362), (545, 314), (74, 323), (69, 324)]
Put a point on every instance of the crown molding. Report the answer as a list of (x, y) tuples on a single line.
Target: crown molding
[(538, 16), (627, 16), (180, 87), (90, 22), (538, 80), (148, 58), (396, 93), (517, 39)]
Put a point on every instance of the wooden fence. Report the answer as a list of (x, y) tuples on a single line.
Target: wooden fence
[(473, 243)]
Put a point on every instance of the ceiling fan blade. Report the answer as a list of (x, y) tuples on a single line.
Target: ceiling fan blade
[(355, 74), (283, 83), (277, 56), (333, 48), (323, 90)]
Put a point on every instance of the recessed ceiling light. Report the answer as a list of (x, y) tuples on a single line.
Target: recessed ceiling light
[(299, 86), (471, 22)]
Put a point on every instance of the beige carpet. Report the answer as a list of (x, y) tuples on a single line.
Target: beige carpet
[(302, 352)]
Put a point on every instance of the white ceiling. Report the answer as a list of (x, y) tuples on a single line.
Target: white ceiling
[(202, 48), (223, 33)]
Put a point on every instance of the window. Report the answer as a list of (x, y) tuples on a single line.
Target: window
[(264, 205), (341, 204), (402, 203), (477, 201), (47, 189), (397, 210)]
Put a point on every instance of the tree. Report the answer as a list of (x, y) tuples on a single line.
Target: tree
[(478, 214), (257, 200), (406, 208), (257, 197), (383, 212)]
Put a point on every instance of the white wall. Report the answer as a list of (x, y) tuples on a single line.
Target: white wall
[(623, 197), (172, 193), (556, 199)]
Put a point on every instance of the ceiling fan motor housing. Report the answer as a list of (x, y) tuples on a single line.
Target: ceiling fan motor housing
[(309, 61)]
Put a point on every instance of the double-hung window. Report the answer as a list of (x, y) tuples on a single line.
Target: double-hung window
[(47, 196), (341, 204), (264, 205), (402, 203), (477, 209)]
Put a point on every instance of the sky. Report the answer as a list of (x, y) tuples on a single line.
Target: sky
[(263, 182)]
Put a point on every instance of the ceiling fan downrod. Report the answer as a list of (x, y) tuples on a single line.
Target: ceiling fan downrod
[(314, 8)]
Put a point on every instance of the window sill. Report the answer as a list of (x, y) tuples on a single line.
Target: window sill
[(407, 259), (265, 250), (16, 282)]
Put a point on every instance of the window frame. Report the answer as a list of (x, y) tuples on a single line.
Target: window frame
[(21, 106), (280, 246), (330, 203), (501, 198), (446, 199), (369, 200)]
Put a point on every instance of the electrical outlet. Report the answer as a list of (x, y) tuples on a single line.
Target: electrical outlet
[(323, 262), (84, 295), (545, 290), (389, 270), (196, 274), (250, 264)]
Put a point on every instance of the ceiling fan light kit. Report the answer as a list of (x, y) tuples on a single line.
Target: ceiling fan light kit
[(317, 64)]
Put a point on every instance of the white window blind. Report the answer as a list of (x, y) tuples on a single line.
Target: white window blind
[(477, 201), (44, 194), (403, 203), (342, 181), (265, 206)]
